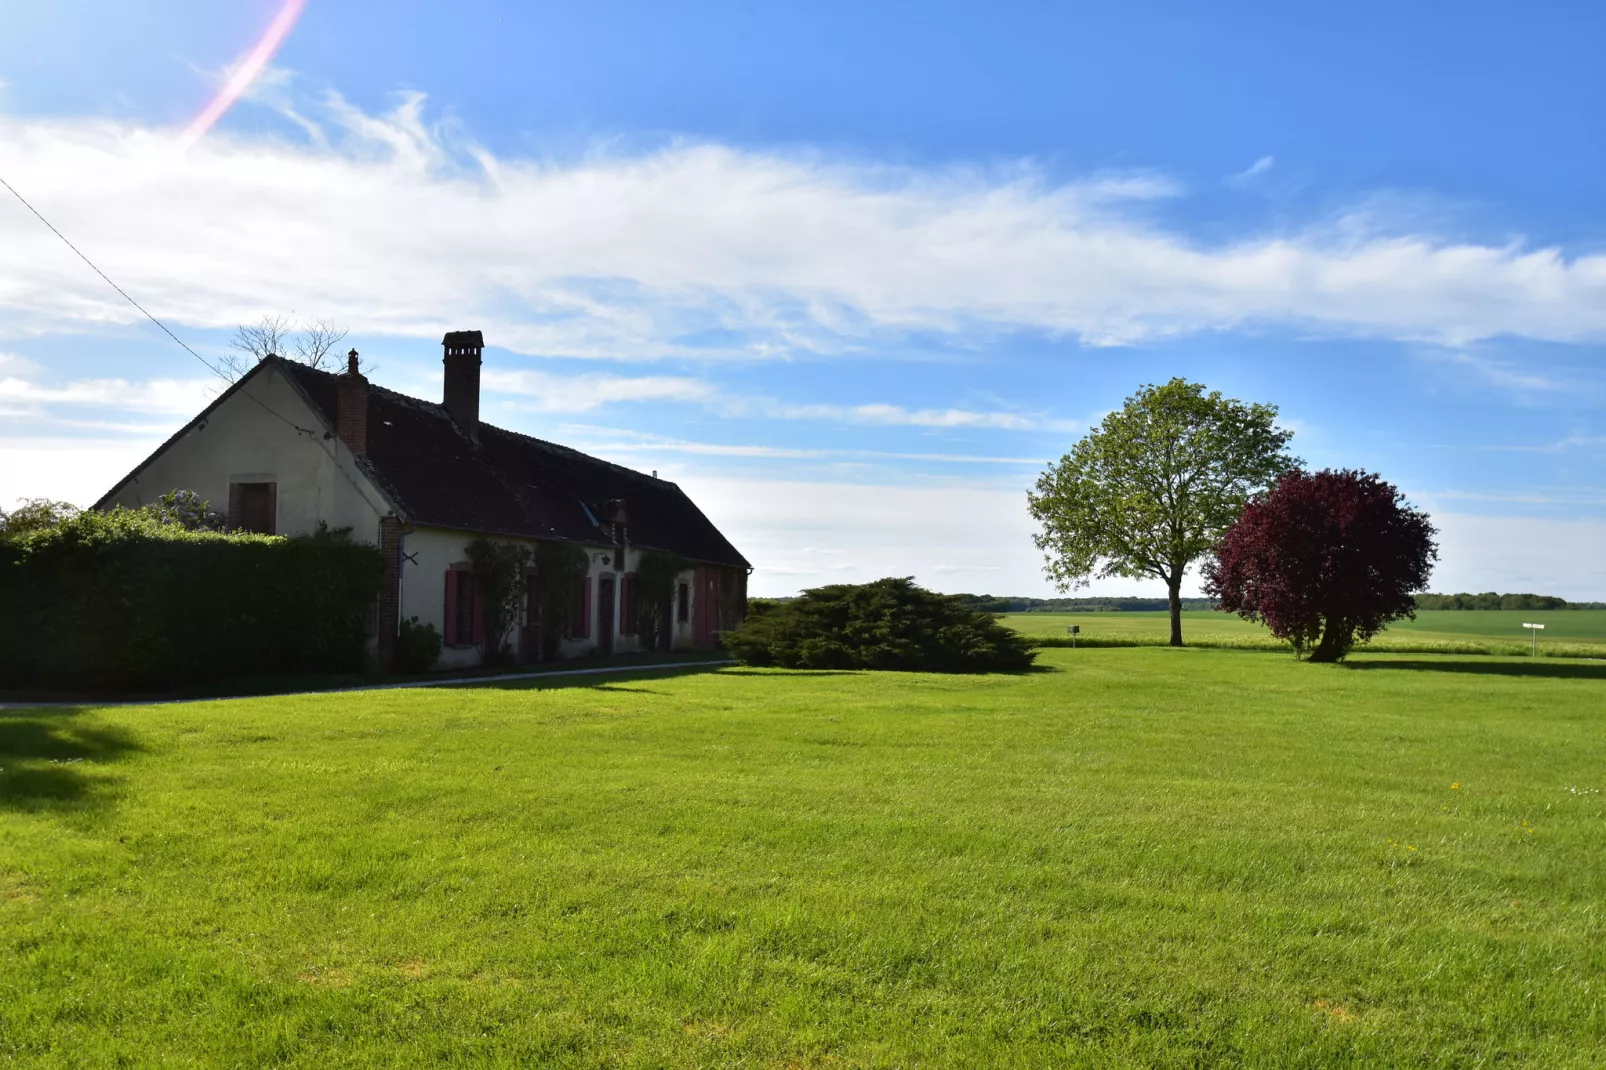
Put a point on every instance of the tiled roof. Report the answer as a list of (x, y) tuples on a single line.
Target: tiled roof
[(508, 483)]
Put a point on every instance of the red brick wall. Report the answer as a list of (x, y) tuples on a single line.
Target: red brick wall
[(352, 425)]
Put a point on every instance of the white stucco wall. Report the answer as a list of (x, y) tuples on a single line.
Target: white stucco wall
[(243, 441), (429, 553)]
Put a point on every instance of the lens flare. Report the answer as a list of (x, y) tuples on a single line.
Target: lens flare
[(245, 72)]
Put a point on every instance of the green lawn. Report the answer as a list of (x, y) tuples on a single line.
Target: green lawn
[(1137, 857), (1576, 633)]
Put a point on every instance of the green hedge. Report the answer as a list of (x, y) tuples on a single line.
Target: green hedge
[(121, 599), (889, 624)]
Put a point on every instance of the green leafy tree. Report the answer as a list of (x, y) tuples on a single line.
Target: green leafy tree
[(34, 514), (1155, 486), (499, 570)]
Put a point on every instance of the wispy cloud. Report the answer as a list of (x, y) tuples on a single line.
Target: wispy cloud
[(395, 227), (1560, 445), (1499, 374), (175, 396), (582, 393), (898, 416), (549, 392), (1259, 167), (615, 440)]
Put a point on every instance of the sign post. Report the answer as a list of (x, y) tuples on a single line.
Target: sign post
[(1534, 630), (1073, 630)]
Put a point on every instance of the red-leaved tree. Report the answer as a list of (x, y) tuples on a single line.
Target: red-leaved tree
[(1329, 556)]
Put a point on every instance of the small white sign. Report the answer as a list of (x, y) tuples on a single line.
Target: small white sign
[(1534, 630)]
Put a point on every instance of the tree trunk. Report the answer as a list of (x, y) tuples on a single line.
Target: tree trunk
[(1175, 586), (1333, 644)]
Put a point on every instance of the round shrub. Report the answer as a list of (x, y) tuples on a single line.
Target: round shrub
[(418, 646), (889, 624)]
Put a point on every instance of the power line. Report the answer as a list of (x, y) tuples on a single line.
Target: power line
[(210, 367)]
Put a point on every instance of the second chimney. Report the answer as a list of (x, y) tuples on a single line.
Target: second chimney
[(461, 396), (351, 421)]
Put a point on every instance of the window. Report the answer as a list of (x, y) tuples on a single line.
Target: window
[(629, 606), (254, 507), (464, 620), (580, 625), (683, 604)]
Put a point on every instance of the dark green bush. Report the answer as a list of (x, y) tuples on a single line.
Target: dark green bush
[(418, 646), (888, 624), (122, 599)]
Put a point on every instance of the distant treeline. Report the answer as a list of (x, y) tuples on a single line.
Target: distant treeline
[(1491, 600), (988, 603)]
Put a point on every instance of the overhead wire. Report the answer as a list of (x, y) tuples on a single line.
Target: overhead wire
[(208, 364)]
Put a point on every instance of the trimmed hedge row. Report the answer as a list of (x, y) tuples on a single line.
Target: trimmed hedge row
[(121, 599)]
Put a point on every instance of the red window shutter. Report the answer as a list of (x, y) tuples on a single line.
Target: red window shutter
[(627, 606), (451, 607), (585, 608)]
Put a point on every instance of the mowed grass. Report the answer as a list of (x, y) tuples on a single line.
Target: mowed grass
[(1136, 857), (1571, 633)]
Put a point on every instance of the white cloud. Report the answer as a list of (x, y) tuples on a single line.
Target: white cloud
[(13, 365), (177, 396), (1538, 555), (898, 416), (1499, 374), (1259, 167), (701, 249), (636, 442), (582, 393), (77, 470), (859, 532)]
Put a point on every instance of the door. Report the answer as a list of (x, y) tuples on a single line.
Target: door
[(705, 607), (605, 615)]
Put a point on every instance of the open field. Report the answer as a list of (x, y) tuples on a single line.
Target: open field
[(1573, 633), (1136, 857)]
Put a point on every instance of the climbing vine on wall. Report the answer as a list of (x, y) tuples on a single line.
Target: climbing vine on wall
[(499, 571), (656, 573), (559, 567)]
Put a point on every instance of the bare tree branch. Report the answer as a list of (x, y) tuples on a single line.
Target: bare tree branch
[(314, 342)]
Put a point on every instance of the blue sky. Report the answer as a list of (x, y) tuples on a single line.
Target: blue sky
[(851, 276)]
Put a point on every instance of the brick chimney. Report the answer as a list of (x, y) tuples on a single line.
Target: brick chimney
[(461, 396), (352, 419)]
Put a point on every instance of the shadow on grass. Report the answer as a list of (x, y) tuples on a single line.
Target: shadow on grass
[(1555, 670), (47, 758), (612, 681)]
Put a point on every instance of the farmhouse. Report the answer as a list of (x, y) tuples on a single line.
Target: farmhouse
[(289, 448)]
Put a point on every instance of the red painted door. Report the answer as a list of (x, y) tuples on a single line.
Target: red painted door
[(705, 607)]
